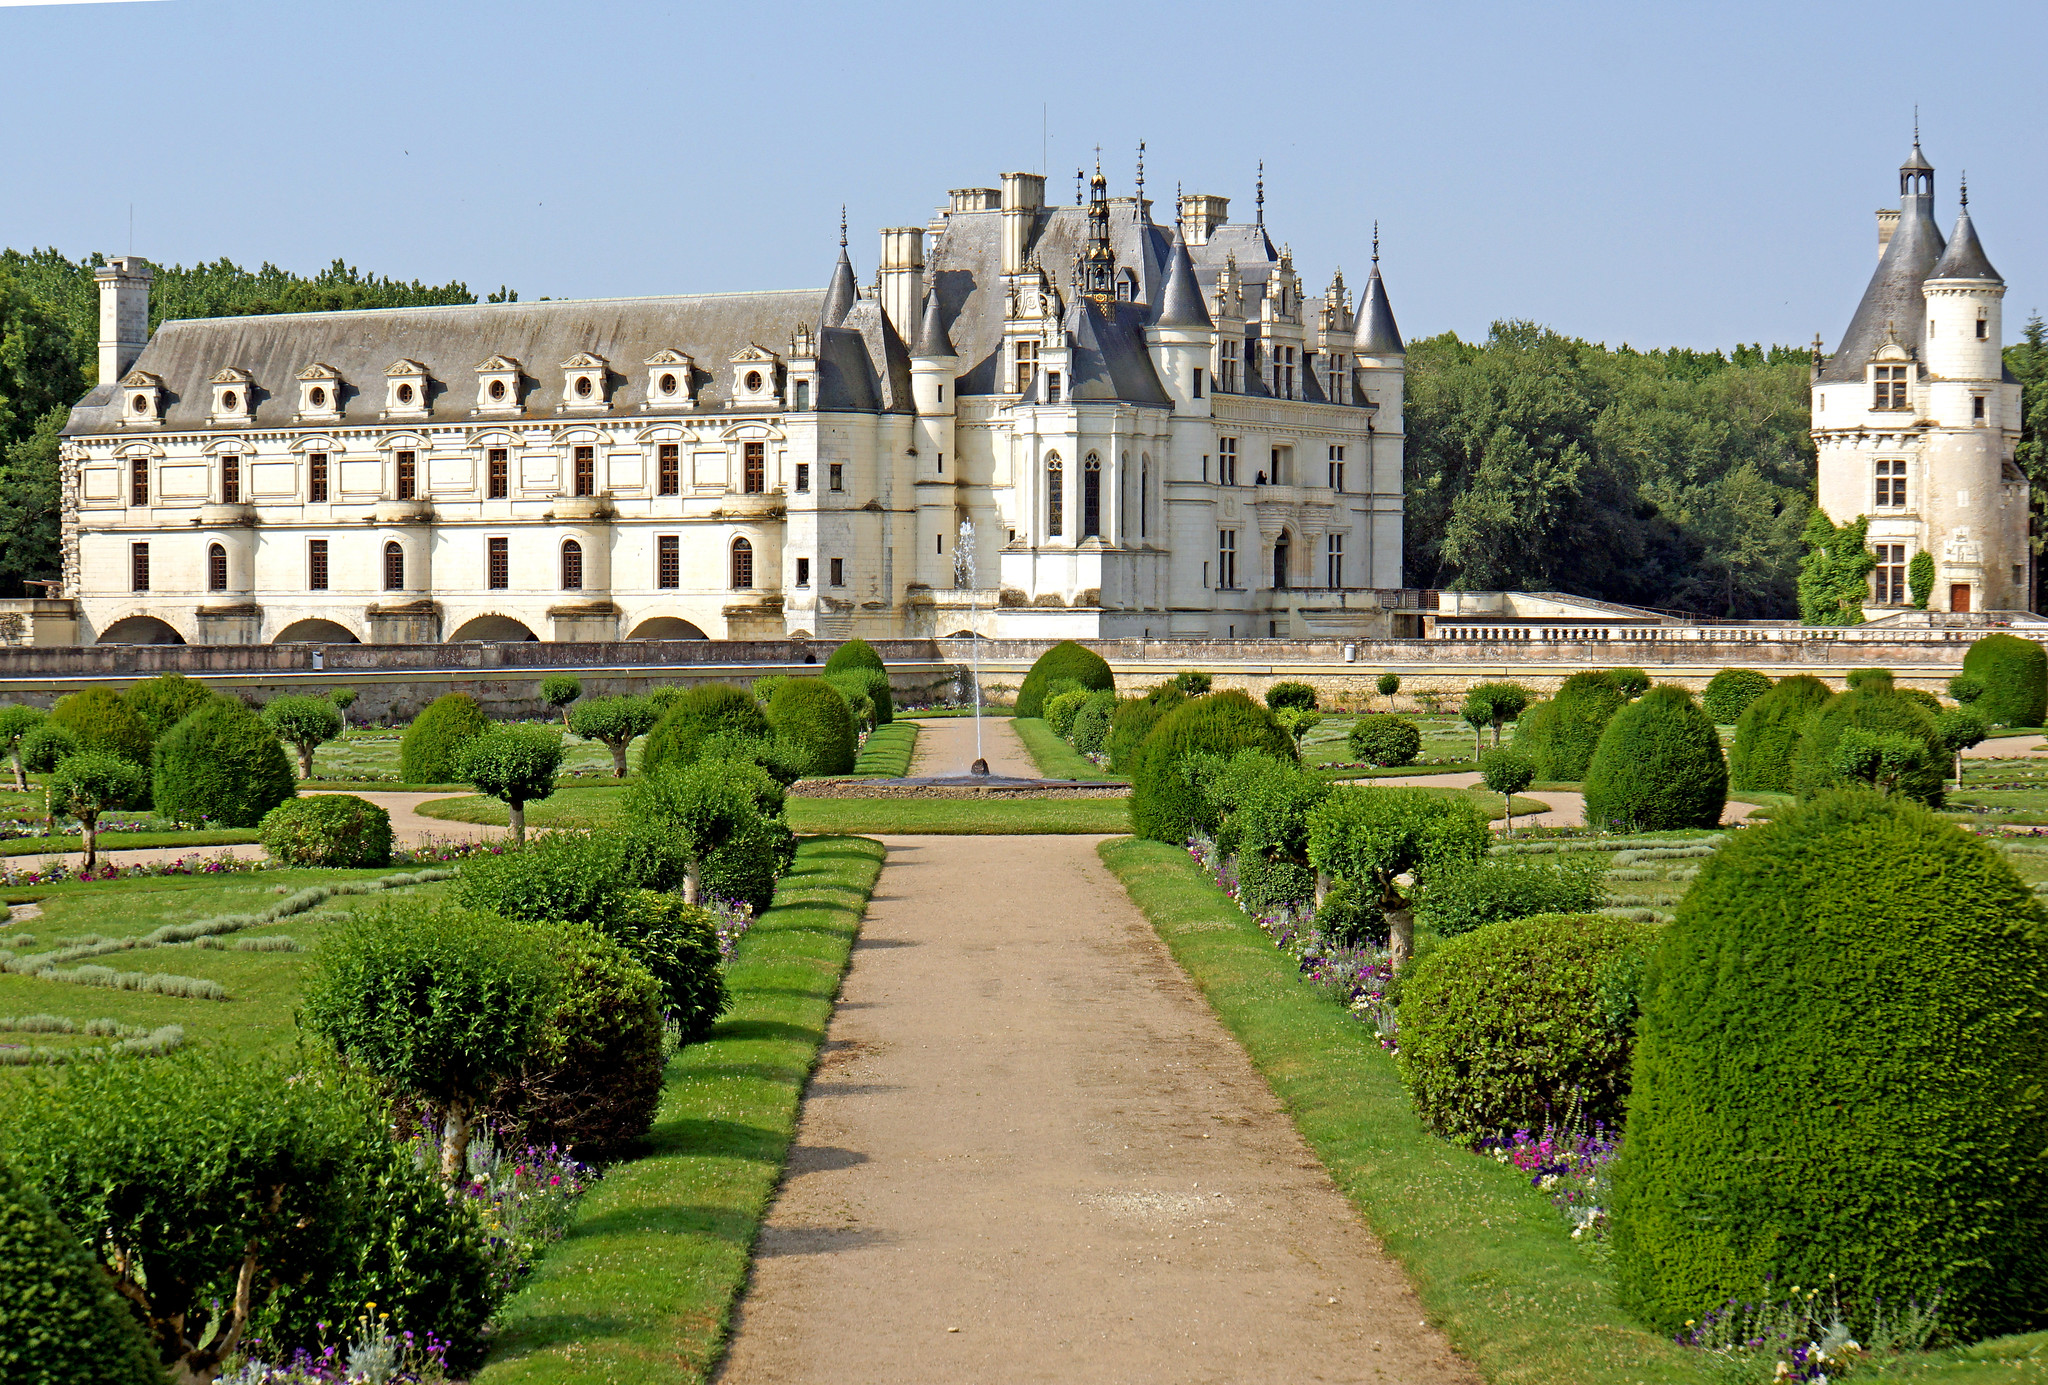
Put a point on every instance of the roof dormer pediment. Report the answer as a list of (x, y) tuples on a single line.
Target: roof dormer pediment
[(499, 363), (141, 380), (667, 356), (319, 370), (753, 354), (403, 366), (585, 360), (1892, 351), (231, 375)]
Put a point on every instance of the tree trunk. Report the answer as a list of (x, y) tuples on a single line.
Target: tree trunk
[(565, 716), (691, 881), (1507, 801), (455, 1131), (92, 842), (1478, 741), (619, 759), (518, 809), (1959, 770), (20, 775), (1400, 936), (305, 762), (1496, 735)]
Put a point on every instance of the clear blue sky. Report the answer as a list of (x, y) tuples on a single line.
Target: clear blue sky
[(1658, 174)]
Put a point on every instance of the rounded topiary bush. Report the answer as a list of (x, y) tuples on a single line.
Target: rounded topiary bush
[(162, 702), (871, 683), (1730, 692), (1061, 710), (1300, 696), (61, 1322), (1166, 805), (426, 753), (1562, 740), (572, 877), (1658, 767), (222, 764), (1838, 1073), (1877, 711), (1767, 734), (100, 720), (1134, 719), (746, 867), (1383, 739), (2014, 673), (330, 829), (1064, 660), (855, 653), (678, 942), (1517, 1021), (1090, 731), (811, 715), (709, 709)]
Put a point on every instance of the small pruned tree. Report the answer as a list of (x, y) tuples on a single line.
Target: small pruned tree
[(16, 721), (1476, 711), (705, 805), (343, 699), (1880, 759), (513, 764), (1966, 688), (1960, 728), (616, 721), (92, 783), (1507, 771), (42, 750), (303, 723), (1192, 682), (1387, 842), (558, 690), (1389, 684)]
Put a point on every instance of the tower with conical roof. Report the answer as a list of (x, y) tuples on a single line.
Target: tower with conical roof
[(1915, 418)]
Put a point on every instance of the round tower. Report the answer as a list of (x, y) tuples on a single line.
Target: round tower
[(1182, 337), (932, 387)]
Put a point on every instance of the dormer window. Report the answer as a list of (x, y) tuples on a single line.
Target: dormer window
[(754, 379), (586, 380), (319, 392), (144, 394), (497, 386), (1889, 387), (670, 380), (231, 396), (405, 390)]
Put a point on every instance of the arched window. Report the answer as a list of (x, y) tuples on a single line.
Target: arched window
[(742, 565), (1091, 497), (1055, 496), (572, 566), (394, 567), (216, 568), (1282, 551)]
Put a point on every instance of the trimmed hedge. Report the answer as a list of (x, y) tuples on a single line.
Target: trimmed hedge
[(1383, 739), (1510, 1025), (1767, 734), (812, 715), (1297, 695), (1134, 719), (1166, 804), (100, 720), (1064, 660), (1268, 802), (1061, 710), (678, 942), (335, 830), (1090, 732), (162, 702), (223, 764), (1838, 1073), (2014, 673), (1562, 740), (1730, 692), (1878, 712), (746, 866), (426, 753), (709, 709), (1491, 891), (1658, 767), (855, 653), (869, 681)]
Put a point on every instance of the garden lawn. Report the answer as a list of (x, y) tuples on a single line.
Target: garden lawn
[(127, 841), (1054, 757), (369, 758), (599, 808), (643, 1285), (887, 750)]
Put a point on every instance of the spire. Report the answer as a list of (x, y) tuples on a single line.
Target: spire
[(1180, 302), (1893, 295), (932, 340), (840, 294), (1262, 192), (1376, 333), (1965, 257), (1097, 267), (1141, 175)]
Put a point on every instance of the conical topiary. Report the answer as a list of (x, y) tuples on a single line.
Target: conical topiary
[(855, 653), (810, 713), (1064, 660), (1165, 805), (1730, 692), (222, 765), (1838, 1073), (1767, 734), (60, 1321), (1877, 710), (1658, 767), (1562, 739), (709, 709), (426, 753)]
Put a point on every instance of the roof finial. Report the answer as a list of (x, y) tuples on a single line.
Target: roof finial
[(1966, 189), (1080, 177), (1262, 192), (1098, 161), (1916, 122), (842, 225), (1375, 243), (1141, 173)]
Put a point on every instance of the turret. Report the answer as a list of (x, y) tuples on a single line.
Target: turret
[(1182, 336), (124, 314), (1962, 354), (842, 293), (932, 382)]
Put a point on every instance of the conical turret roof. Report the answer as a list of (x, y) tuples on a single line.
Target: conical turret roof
[(1377, 334), (1180, 302), (840, 294), (1965, 257), (931, 333), (1892, 302)]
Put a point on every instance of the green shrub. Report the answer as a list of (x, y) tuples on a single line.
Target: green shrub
[(869, 682), (162, 702), (668, 694), (1511, 1024), (1489, 891), (426, 753), (93, 783), (1838, 1076), (1064, 660), (1926, 700), (709, 709), (220, 764), (780, 759), (1387, 842), (615, 721), (1090, 731), (1879, 713), (513, 764), (558, 690), (1563, 739), (1166, 804), (2014, 673), (855, 653), (303, 723), (746, 865), (1631, 683), (334, 830), (677, 942), (810, 713), (1263, 805), (1060, 711), (43, 748), (1767, 734), (1966, 688), (1349, 915), (60, 1320), (1730, 692), (102, 721), (1388, 684), (1494, 705), (17, 721), (1297, 722), (592, 1080), (1297, 695), (1960, 728), (1872, 679), (723, 816), (566, 877), (1658, 767), (1507, 771), (1190, 682), (1134, 719), (854, 687), (1383, 739)]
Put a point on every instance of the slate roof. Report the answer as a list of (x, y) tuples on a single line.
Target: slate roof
[(1965, 257), (1892, 301), (840, 294), (931, 332), (1376, 333), (1180, 302), (1109, 360)]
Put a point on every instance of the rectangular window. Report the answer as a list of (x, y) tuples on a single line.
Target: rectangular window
[(138, 567), (668, 561), (1226, 464), (1333, 575), (1983, 330), (1282, 473), (231, 478), (1027, 364), (408, 476), (498, 464), (138, 481), (1336, 471), (803, 572), (216, 568), (1977, 408), (316, 565), (316, 477), (586, 471), (837, 476), (1336, 390), (756, 467), (1198, 382), (1891, 485), (668, 465), (498, 564), (803, 478), (839, 572), (1052, 387), (394, 568), (1891, 387), (1287, 372), (1226, 559), (1227, 379), (1890, 574)]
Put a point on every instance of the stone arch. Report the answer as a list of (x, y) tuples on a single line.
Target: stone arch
[(140, 630), (666, 628), (315, 631), (492, 629)]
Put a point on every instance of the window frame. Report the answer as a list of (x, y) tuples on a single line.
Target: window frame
[(668, 467), (317, 571), (138, 480), (836, 475), (1226, 461), (1333, 561), (838, 572), (1055, 496), (754, 468), (1091, 496), (1336, 467), (230, 478), (138, 566), (668, 562), (583, 461), (216, 567), (405, 473), (1226, 560), (571, 565), (317, 478), (1024, 363), (394, 566), (497, 564), (741, 555), (497, 473), (803, 573)]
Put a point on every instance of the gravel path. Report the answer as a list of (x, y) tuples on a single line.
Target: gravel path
[(945, 745), (2008, 748), (1032, 1153)]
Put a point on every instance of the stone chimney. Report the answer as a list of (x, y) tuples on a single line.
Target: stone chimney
[(124, 314)]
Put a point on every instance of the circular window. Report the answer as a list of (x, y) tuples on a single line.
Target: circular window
[(405, 394), (497, 389), (318, 397), (141, 403), (753, 382), (583, 387), (668, 384), (227, 401)]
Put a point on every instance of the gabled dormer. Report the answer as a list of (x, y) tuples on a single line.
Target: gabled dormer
[(232, 404), (319, 394), (405, 389), (1892, 374), (754, 379), (586, 384), (497, 386), (802, 373), (142, 396), (671, 380)]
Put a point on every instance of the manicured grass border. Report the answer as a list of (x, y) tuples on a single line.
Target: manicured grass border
[(887, 750), (1054, 757), (128, 841), (960, 816), (642, 1287)]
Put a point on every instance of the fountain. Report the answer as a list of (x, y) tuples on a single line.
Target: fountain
[(963, 576)]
